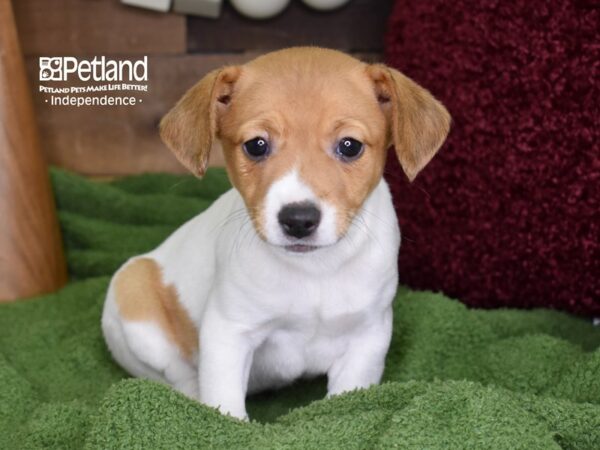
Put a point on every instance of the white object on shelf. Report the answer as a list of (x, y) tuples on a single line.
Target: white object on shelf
[(204, 8), (259, 9), (156, 5), (325, 5)]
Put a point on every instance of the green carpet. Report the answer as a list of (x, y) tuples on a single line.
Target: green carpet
[(455, 378)]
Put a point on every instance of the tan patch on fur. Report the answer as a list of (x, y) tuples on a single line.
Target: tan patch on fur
[(190, 127), (419, 123), (143, 297)]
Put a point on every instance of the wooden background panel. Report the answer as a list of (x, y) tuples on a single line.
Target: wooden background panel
[(96, 27), (31, 256), (103, 140), (358, 26)]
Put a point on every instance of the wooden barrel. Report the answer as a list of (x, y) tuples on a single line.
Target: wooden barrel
[(31, 253)]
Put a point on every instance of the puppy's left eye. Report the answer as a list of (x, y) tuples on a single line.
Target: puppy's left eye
[(349, 148), (257, 148)]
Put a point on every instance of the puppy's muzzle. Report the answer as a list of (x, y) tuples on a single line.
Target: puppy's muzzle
[(299, 220)]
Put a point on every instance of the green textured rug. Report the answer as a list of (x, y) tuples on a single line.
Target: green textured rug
[(455, 378)]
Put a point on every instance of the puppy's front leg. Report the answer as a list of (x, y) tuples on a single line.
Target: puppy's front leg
[(225, 357), (363, 362)]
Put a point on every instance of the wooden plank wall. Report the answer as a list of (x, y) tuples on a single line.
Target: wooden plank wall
[(124, 140)]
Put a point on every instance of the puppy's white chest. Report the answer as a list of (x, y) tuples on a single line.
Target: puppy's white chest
[(302, 345), (318, 326)]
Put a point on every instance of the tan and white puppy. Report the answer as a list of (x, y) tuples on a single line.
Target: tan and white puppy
[(292, 272)]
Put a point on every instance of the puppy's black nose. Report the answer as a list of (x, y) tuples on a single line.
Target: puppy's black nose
[(299, 219)]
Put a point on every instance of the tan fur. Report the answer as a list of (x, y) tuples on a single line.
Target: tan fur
[(305, 100), (419, 123), (189, 128), (143, 297)]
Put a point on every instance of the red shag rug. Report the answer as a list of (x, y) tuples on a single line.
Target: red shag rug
[(508, 212)]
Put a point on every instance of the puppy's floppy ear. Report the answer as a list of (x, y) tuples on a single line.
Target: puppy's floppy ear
[(418, 122), (190, 128)]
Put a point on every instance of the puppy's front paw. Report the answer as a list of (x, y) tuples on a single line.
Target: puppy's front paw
[(245, 418), (240, 415), (236, 413)]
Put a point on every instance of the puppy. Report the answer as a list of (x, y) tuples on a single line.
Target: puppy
[(292, 272)]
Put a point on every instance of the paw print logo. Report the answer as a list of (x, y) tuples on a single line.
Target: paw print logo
[(51, 69)]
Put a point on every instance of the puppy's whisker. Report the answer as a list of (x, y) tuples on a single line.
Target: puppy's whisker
[(361, 224), (229, 221), (237, 214), (380, 219), (235, 245), (179, 183), (248, 235)]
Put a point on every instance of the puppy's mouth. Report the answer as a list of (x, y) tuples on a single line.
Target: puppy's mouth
[(301, 248)]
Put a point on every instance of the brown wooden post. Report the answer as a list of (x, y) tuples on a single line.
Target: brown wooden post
[(31, 253)]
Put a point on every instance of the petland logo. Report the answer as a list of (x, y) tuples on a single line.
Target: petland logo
[(93, 82), (98, 69)]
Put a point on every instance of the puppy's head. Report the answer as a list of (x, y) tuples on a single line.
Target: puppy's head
[(305, 133)]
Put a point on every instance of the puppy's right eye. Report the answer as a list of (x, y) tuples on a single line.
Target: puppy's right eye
[(257, 148), (349, 149)]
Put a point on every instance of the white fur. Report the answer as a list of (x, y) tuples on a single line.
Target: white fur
[(267, 316)]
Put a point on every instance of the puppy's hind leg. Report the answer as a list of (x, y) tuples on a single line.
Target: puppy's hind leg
[(147, 331), (121, 346)]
